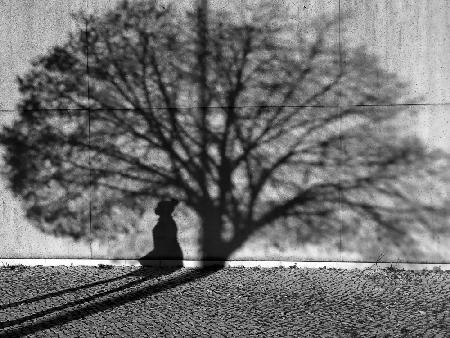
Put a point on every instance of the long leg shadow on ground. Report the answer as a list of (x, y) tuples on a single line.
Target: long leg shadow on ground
[(81, 311), (61, 292)]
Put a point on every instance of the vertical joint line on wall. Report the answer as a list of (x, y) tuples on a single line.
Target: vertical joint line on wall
[(89, 139), (340, 128)]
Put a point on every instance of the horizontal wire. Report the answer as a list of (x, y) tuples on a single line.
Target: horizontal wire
[(237, 107)]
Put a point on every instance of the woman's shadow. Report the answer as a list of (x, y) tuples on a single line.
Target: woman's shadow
[(109, 295), (165, 242), (166, 247)]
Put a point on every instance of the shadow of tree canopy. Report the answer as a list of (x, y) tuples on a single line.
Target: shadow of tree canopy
[(245, 119)]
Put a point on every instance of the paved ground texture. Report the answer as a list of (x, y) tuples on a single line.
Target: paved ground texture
[(232, 302)]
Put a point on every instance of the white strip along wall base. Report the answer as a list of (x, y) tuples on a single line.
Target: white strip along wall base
[(248, 264)]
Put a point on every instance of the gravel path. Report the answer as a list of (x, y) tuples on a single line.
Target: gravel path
[(232, 302)]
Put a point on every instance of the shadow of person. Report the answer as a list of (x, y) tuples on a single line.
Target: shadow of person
[(165, 242), (141, 283)]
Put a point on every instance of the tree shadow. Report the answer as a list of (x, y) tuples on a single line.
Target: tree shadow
[(100, 301), (223, 113)]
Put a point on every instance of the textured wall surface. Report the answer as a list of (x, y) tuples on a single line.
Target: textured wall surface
[(412, 40)]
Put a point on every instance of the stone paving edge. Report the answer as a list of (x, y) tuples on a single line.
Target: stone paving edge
[(231, 263)]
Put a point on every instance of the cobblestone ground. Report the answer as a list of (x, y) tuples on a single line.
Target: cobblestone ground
[(232, 302)]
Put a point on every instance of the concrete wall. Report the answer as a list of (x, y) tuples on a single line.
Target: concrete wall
[(410, 36)]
